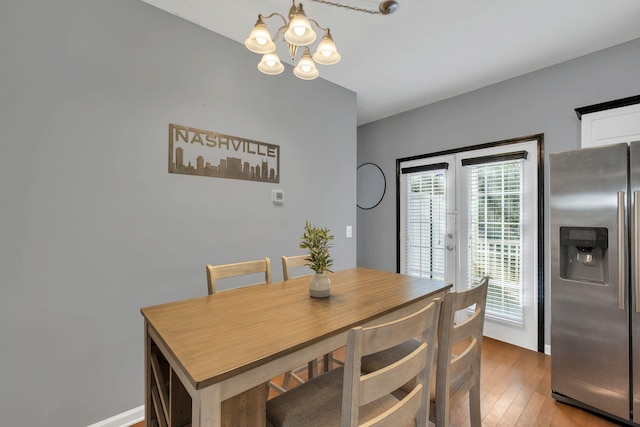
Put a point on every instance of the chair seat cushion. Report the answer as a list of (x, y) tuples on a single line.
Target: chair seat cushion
[(318, 403), (379, 360)]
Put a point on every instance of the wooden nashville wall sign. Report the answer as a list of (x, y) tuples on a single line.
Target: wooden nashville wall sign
[(204, 153)]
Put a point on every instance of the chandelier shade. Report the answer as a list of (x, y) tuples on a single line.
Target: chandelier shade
[(299, 31), (270, 64), (327, 54), (259, 41), (306, 68)]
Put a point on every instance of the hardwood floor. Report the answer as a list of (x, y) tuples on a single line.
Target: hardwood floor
[(515, 391)]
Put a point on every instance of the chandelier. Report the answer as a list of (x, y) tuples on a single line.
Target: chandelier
[(297, 32)]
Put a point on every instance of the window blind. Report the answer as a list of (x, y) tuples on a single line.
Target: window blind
[(495, 235), (423, 226)]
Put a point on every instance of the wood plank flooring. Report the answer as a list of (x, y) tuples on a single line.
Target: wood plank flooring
[(515, 391)]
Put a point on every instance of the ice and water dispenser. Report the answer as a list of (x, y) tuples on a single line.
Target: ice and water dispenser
[(583, 254)]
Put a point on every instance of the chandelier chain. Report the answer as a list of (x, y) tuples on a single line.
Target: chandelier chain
[(344, 6)]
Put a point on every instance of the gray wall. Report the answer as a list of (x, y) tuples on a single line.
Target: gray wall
[(93, 227), (539, 102)]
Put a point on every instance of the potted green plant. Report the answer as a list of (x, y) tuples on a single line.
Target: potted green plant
[(318, 241)]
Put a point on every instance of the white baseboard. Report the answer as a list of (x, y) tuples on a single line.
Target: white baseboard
[(547, 349), (125, 419)]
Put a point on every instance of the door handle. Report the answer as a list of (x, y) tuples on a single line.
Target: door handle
[(450, 247), (621, 254), (636, 247)]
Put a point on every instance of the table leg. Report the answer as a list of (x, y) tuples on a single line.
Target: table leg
[(207, 407), (247, 409), (147, 376)]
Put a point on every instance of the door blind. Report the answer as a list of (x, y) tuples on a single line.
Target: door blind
[(495, 235), (423, 225)]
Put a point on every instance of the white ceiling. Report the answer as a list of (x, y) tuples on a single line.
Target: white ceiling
[(430, 50)]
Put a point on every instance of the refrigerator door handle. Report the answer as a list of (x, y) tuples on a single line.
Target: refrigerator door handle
[(636, 247), (621, 252)]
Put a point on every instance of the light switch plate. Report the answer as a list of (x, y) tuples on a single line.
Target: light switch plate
[(349, 231)]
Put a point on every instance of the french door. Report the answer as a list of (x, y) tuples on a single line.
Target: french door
[(473, 213)]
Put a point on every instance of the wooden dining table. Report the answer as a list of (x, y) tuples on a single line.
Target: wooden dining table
[(207, 359)]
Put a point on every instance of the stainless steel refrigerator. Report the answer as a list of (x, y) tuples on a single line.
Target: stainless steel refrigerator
[(595, 283)]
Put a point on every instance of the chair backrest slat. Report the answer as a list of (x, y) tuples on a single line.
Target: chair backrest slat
[(224, 271), (375, 385)]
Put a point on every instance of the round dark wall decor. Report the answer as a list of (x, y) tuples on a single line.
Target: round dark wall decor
[(371, 187)]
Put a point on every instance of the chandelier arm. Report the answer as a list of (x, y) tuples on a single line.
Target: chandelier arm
[(260, 16), (344, 6), (280, 31), (316, 23)]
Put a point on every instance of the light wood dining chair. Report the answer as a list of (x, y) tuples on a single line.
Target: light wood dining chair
[(458, 355), (298, 262), (346, 397), (291, 262), (224, 271)]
